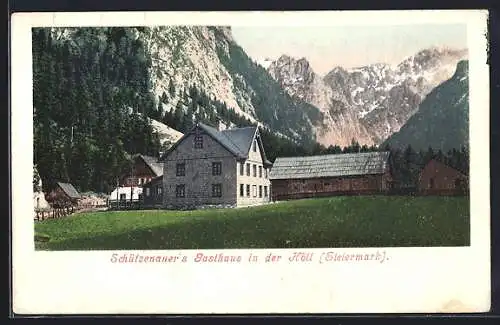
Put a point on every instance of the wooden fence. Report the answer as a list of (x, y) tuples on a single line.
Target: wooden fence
[(54, 213)]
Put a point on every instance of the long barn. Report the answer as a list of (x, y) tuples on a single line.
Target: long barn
[(329, 175)]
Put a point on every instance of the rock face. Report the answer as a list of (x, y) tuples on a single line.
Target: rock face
[(209, 58), (189, 55), (442, 120), (367, 103)]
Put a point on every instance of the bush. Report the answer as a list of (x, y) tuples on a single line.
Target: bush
[(40, 237)]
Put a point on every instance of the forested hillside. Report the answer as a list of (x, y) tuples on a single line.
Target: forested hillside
[(92, 98), (83, 131)]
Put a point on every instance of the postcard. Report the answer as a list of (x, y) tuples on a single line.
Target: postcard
[(250, 162)]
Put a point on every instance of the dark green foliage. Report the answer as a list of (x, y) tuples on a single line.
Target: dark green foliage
[(36, 180), (82, 89), (363, 221), (442, 120), (407, 164)]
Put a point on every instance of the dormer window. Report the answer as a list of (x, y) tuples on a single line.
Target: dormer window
[(198, 141)]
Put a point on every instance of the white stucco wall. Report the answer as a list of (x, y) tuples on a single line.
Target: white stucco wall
[(255, 158)]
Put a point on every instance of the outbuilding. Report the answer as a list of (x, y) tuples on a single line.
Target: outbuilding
[(329, 175), (438, 178)]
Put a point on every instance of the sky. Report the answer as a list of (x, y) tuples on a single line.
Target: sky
[(347, 46)]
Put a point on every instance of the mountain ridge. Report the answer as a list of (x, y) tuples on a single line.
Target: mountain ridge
[(442, 121), (369, 102)]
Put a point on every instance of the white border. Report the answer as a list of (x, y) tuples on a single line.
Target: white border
[(412, 280)]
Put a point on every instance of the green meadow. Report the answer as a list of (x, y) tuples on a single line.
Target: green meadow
[(350, 221)]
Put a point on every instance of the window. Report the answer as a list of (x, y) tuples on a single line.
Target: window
[(254, 170), (216, 190), (254, 190), (255, 146), (242, 190), (180, 169), (216, 168), (260, 190), (248, 190), (431, 183), (147, 191), (260, 171), (180, 190), (248, 169), (241, 168), (265, 191), (123, 197), (198, 141), (265, 170), (140, 197), (158, 190)]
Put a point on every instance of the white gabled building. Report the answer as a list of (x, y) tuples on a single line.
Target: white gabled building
[(124, 194)]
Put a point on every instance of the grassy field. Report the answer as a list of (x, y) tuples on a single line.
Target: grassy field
[(370, 221)]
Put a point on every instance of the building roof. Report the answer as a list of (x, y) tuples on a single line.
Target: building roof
[(69, 190), (241, 137), (238, 141), (335, 165), (233, 141), (153, 163)]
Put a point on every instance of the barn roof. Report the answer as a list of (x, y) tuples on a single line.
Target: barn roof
[(238, 141), (69, 190), (335, 165), (153, 163)]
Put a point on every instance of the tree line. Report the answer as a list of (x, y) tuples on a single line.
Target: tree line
[(91, 96), (407, 163)]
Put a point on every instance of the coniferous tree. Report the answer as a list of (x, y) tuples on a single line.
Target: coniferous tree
[(171, 89), (81, 95)]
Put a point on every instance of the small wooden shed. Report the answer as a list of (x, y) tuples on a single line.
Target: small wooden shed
[(64, 195)]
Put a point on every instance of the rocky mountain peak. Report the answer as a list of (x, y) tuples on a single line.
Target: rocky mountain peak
[(288, 70), (368, 102), (431, 58), (226, 31)]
